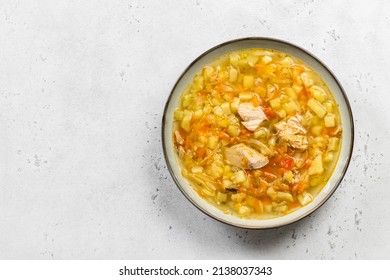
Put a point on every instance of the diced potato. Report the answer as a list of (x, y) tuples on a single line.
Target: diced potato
[(328, 106), (305, 198), (317, 130), (333, 144), (233, 130), (252, 59), (215, 102), (234, 105), (218, 111), (268, 208), (275, 103), (226, 108), (319, 141), (216, 171), (223, 123), (207, 110), (186, 121), (238, 197), (316, 107), (221, 197), (233, 120), (226, 184), (239, 177), (234, 58), (288, 176), (197, 169), (271, 193), (266, 59), (316, 166), (245, 96), (315, 152), (248, 81), (316, 180), (178, 114), (186, 100), (243, 62), (330, 120), (290, 92), (286, 61), (197, 114), (318, 93), (297, 88), (306, 80), (329, 157), (212, 142), (284, 196), (233, 74), (291, 107), (207, 72), (198, 82), (244, 210), (281, 113)]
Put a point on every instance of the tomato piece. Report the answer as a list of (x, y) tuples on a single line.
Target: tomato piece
[(287, 162), (269, 112)]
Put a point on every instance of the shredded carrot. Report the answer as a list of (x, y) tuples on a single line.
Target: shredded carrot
[(224, 136), (200, 152)]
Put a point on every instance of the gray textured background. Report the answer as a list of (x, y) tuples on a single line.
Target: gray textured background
[(82, 90)]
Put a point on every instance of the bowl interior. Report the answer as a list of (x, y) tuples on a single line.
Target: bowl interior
[(316, 65)]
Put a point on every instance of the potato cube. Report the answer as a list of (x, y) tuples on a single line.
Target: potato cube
[(233, 130), (305, 198), (212, 142), (291, 107), (248, 81), (330, 120), (316, 166), (233, 74), (186, 121), (239, 177), (333, 144), (178, 114), (290, 92), (234, 105), (234, 58), (252, 59), (244, 210), (316, 130), (218, 111), (275, 103), (266, 59), (221, 197)]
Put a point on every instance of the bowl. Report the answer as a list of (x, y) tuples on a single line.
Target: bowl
[(332, 83)]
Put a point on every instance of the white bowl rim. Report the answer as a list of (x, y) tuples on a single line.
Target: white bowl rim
[(344, 97)]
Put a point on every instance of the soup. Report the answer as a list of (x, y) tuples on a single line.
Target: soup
[(257, 133)]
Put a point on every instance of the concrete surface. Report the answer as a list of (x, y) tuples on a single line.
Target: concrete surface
[(82, 90)]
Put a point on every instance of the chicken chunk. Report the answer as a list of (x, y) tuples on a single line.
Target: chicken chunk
[(244, 157), (293, 132), (252, 116)]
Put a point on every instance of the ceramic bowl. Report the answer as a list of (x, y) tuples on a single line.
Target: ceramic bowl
[(268, 43)]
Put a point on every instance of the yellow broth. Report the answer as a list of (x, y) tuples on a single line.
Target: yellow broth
[(257, 133)]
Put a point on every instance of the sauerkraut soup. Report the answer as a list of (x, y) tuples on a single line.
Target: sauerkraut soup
[(257, 133)]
